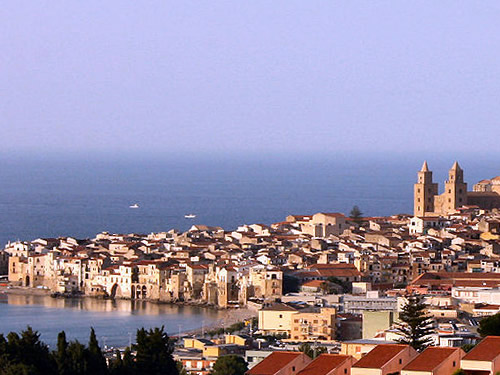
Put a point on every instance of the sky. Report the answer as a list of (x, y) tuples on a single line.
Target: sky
[(229, 77)]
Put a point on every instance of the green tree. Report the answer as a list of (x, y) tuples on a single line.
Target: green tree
[(467, 347), (180, 368), (116, 365), (459, 372), (230, 365), (61, 355), (312, 351), (96, 363), (122, 364), (356, 215), (128, 362), (415, 326), (78, 357), (25, 354), (39, 357), (345, 285), (154, 353), (490, 326)]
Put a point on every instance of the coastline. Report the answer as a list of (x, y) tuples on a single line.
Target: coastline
[(24, 291), (230, 316)]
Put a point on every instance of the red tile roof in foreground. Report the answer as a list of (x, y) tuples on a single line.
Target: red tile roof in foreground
[(273, 363), (324, 364), (430, 358), (487, 350), (380, 355)]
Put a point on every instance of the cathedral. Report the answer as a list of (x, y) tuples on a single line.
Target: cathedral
[(427, 201)]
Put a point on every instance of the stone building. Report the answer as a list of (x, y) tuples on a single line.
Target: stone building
[(323, 224), (313, 323), (427, 201)]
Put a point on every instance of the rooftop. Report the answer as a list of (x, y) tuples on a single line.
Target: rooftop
[(487, 350), (273, 363), (278, 307), (430, 358), (324, 364), (380, 355)]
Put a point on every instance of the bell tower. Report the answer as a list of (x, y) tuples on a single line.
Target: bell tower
[(455, 189), (424, 192)]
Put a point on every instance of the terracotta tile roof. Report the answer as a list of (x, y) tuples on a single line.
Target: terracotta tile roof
[(380, 355), (313, 283), (430, 358), (273, 363), (487, 350), (324, 364)]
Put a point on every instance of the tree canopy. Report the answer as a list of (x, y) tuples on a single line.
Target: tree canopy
[(356, 215), (230, 365), (490, 326), (415, 326), (154, 356), (154, 352), (312, 351)]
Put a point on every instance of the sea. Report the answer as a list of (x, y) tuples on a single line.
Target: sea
[(80, 196), (114, 321)]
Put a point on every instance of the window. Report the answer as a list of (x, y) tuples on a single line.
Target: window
[(454, 363), (281, 316), (400, 361), (293, 367)]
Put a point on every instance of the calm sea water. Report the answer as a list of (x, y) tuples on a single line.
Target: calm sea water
[(115, 322), (77, 197)]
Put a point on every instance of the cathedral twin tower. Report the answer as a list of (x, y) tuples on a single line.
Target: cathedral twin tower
[(427, 202)]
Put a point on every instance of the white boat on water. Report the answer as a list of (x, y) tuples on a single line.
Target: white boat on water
[(190, 216), (135, 205)]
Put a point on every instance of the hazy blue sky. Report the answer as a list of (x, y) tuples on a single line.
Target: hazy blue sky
[(249, 76)]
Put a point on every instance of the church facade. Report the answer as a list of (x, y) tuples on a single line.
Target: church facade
[(428, 202)]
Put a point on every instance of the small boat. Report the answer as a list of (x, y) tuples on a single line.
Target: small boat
[(190, 216), (135, 205)]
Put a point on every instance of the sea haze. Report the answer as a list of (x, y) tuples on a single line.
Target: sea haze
[(74, 196)]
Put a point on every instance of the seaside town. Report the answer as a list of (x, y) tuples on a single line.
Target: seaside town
[(321, 293)]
